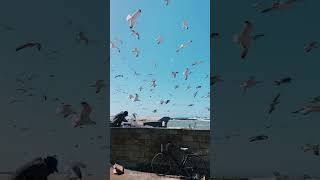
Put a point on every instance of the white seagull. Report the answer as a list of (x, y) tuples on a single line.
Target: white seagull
[(183, 45), (159, 39), (186, 74), (132, 19), (136, 51), (114, 46), (185, 25)]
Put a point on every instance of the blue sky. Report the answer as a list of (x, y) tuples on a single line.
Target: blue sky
[(157, 19)]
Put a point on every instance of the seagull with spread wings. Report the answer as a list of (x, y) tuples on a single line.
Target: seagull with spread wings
[(132, 19)]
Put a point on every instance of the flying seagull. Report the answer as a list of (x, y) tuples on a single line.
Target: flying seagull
[(81, 36), (315, 100), (312, 45), (120, 75), (244, 39), (136, 51), (159, 39), (197, 63), (153, 83), (29, 45), (214, 35), (167, 2), (135, 33), (258, 138), (183, 45), (133, 18), (215, 79), (186, 74), (249, 83), (283, 81), (274, 103)]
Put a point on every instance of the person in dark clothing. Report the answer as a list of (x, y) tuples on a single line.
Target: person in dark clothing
[(37, 169), (119, 118)]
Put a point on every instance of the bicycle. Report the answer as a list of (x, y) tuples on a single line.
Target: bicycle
[(191, 165)]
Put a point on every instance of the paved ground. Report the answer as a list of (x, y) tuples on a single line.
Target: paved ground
[(135, 175)]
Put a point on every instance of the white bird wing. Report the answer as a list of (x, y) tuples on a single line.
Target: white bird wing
[(129, 17), (136, 14)]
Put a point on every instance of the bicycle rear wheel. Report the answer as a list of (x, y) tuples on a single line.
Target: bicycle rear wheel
[(161, 164), (195, 167)]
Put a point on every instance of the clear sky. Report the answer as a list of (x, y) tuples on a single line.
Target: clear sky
[(157, 19)]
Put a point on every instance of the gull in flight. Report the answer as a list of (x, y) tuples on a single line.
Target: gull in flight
[(307, 110), (311, 147), (84, 118), (29, 45), (214, 35), (140, 88), (65, 109), (186, 74), (283, 81), (185, 25), (135, 33), (153, 83), (215, 79), (114, 46), (159, 39), (154, 111), (191, 105), (258, 138), (195, 94), (120, 75), (132, 19), (174, 74), (198, 87), (188, 87), (249, 83), (244, 38), (136, 98), (99, 84), (166, 2), (274, 103), (136, 51), (176, 86), (279, 5), (312, 45), (197, 63), (183, 45)]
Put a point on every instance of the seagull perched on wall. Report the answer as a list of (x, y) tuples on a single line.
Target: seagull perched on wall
[(114, 46), (251, 82), (132, 19), (307, 110), (279, 5), (183, 45), (99, 84), (186, 74)]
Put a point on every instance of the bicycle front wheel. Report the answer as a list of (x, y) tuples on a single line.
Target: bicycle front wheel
[(161, 164), (195, 167)]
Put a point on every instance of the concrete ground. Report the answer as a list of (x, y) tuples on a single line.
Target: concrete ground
[(135, 175)]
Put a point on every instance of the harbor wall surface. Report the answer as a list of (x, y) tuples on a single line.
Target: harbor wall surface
[(134, 148)]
